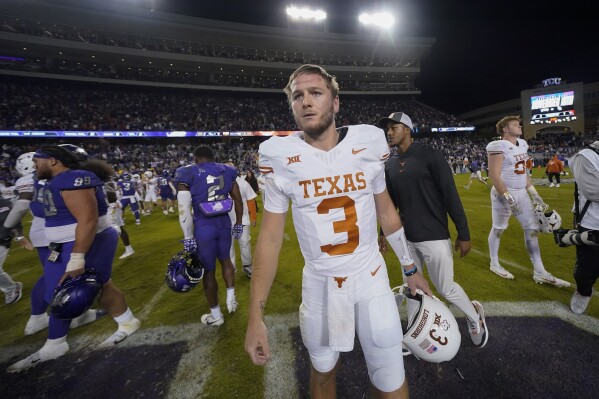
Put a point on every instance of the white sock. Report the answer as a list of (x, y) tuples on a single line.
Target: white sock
[(125, 317), (128, 248), (216, 313), (51, 343), (230, 293), (35, 317)]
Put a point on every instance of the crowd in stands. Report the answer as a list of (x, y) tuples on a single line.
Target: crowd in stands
[(82, 34), (33, 105)]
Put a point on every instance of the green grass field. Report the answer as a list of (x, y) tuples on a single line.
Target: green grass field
[(230, 372)]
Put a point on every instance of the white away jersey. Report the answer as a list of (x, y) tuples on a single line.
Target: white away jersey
[(331, 194), (24, 184), (515, 161)]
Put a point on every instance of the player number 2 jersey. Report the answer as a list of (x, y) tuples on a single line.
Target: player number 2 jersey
[(331, 194), (515, 161)]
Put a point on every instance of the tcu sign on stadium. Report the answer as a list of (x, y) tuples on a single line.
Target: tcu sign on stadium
[(552, 81)]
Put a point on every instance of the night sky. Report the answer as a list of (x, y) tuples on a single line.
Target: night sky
[(486, 51)]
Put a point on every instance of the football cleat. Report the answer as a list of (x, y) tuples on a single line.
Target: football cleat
[(127, 253), (501, 272), (579, 303), (211, 321), (43, 355), (547, 278), (248, 270), (184, 271), (90, 316), (24, 165), (124, 331), (36, 323), (14, 294), (75, 295), (479, 333)]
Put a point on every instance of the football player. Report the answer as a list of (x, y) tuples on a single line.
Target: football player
[(514, 194), (151, 198), (167, 192), (211, 189), (128, 195), (116, 214), (76, 223), (336, 183), (474, 173), (29, 192), (248, 196)]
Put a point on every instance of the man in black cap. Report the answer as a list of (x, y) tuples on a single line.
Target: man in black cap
[(421, 185)]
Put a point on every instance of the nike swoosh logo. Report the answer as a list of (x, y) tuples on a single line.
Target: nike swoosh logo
[(354, 151), (375, 271), (402, 170), (36, 360), (211, 322)]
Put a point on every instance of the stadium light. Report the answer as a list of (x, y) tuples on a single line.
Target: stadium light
[(306, 14), (379, 19)]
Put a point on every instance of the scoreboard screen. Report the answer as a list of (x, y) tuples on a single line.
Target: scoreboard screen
[(552, 108)]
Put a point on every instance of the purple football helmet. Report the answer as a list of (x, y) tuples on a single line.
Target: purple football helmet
[(184, 272), (75, 295), (79, 152)]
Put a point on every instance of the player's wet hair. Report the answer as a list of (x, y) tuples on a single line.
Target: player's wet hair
[(312, 69), (66, 157), (504, 122), (203, 151), (100, 168)]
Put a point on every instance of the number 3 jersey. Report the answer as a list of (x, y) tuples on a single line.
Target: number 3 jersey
[(515, 161), (331, 194)]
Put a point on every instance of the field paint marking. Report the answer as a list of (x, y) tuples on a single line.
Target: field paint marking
[(187, 381), (523, 268), (486, 206), (503, 261), (145, 312), (17, 274), (280, 371), (279, 375)]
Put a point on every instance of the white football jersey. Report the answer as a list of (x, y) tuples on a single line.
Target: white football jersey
[(247, 194), (515, 161), (331, 193)]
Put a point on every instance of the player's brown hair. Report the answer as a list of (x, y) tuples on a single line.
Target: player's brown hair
[(316, 70), (504, 122)]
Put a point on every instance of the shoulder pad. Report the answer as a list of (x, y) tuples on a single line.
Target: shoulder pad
[(496, 147)]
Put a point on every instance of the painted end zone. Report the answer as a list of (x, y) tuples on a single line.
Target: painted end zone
[(134, 372), (525, 357)]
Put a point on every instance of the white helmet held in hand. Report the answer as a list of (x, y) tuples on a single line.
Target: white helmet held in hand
[(148, 173), (548, 221), (432, 333), (25, 165)]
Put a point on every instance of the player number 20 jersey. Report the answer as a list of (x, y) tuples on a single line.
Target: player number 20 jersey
[(331, 194)]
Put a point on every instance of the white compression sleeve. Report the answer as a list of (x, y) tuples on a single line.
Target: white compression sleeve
[(397, 241), (185, 219), (16, 213)]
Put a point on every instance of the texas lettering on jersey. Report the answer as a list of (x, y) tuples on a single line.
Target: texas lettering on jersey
[(331, 185)]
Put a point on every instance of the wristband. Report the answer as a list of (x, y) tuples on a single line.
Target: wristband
[(76, 262), (508, 196), (409, 273)]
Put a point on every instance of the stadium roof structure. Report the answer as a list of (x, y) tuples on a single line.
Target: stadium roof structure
[(93, 40)]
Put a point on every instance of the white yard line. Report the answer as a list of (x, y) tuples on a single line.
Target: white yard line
[(145, 312)]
